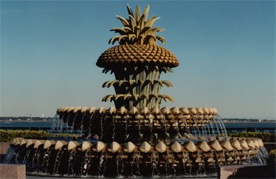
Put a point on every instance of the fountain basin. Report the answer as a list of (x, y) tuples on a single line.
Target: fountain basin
[(180, 155)]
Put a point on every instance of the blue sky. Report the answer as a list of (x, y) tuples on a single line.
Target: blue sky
[(226, 51)]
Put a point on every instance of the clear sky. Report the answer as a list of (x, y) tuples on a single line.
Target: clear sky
[(226, 51)]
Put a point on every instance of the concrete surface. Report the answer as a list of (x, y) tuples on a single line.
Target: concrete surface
[(10, 171)]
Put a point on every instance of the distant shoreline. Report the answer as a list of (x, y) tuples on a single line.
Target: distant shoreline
[(25, 121), (249, 122)]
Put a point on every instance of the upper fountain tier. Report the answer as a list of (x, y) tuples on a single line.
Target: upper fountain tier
[(137, 62), (136, 54)]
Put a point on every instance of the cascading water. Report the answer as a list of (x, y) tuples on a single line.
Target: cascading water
[(184, 156)]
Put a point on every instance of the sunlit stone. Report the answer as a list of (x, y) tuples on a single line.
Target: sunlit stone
[(199, 110), (38, 143), (133, 110), (261, 144), (244, 144), (24, 141), (145, 147), (257, 145), (77, 109), (190, 146), (72, 145), (13, 141), (86, 146), (18, 140), (60, 144), (100, 146), (84, 109), (102, 110), (165, 110), (155, 110), (211, 110), (192, 110), (71, 109), (250, 143), (214, 111), (202, 145), (176, 147), (48, 144), (115, 146), (236, 144), (59, 110), (130, 147), (145, 110), (184, 110), (92, 110), (252, 152), (150, 116), (64, 109), (175, 110), (226, 145), (138, 116), (161, 147), (122, 110), (206, 110), (112, 110), (30, 142)]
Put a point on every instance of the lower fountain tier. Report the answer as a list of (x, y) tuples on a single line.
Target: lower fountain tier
[(88, 158)]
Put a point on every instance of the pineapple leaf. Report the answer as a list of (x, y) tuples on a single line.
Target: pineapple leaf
[(168, 97), (137, 13), (167, 83), (162, 39), (146, 11), (137, 28), (113, 39), (121, 31), (145, 29), (132, 22), (129, 10), (107, 97), (141, 22), (122, 37), (161, 84), (118, 96), (123, 20), (106, 84), (126, 96), (148, 22)]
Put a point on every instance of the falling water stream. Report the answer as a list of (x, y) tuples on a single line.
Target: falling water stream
[(80, 163)]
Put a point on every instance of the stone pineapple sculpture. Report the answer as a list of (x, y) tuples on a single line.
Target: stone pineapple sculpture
[(137, 62)]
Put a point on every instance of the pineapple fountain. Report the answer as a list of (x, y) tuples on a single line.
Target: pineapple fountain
[(136, 137)]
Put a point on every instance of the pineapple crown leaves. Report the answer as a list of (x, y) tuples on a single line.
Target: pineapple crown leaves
[(137, 29)]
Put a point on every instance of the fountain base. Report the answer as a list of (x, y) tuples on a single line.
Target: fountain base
[(198, 158)]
